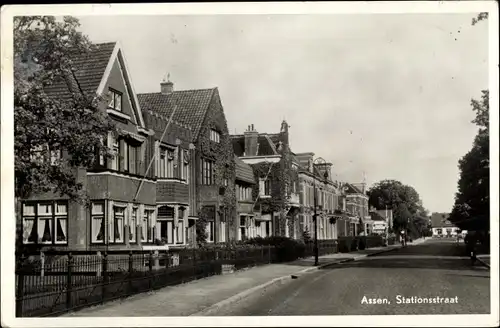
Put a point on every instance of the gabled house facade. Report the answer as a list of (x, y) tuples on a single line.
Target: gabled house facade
[(356, 205), (246, 226), (276, 192), (120, 215), (442, 227), (212, 196), (327, 197), (174, 154)]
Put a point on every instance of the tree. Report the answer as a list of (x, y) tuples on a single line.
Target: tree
[(402, 199), (472, 198), (53, 135)]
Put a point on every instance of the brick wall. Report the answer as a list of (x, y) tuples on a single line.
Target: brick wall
[(172, 192)]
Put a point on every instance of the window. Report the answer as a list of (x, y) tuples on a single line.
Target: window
[(267, 187), (45, 223), (116, 152), (167, 162), (128, 153), (214, 136), (97, 223), (207, 169), (144, 228), (115, 100), (38, 153), (243, 228), (211, 231), (55, 157), (185, 165), (29, 227), (61, 221), (147, 223), (180, 226), (116, 230), (132, 225)]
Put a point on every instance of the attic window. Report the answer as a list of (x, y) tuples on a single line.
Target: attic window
[(214, 136), (115, 100)]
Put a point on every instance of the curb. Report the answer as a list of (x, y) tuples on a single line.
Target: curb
[(483, 263), (246, 293), (238, 297)]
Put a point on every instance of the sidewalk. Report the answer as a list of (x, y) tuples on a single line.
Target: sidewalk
[(192, 297)]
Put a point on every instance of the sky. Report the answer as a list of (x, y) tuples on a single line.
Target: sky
[(381, 95)]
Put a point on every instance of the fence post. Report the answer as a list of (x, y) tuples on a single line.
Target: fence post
[(20, 288), (130, 269), (69, 281), (104, 274), (150, 264), (42, 262)]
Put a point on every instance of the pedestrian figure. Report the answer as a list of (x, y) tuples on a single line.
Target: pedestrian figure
[(470, 242)]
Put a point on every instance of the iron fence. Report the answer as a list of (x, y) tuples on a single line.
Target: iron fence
[(57, 282)]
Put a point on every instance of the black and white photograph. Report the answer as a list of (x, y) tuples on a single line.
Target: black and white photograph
[(250, 164)]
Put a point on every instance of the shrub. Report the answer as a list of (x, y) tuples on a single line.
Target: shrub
[(344, 244), (287, 249), (354, 244), (362, 243)]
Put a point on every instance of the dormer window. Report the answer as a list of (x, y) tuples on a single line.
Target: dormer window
[(115, 100), (214, 136)]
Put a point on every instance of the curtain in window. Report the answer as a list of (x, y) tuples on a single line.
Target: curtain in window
[(45, 230), (29, 234), (61, 229), (98, 229)]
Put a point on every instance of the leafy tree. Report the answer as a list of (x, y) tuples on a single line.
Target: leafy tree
[(52, 135), (472, 198), (402, 199)]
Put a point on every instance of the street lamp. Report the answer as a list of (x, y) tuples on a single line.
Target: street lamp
[(316, 251)]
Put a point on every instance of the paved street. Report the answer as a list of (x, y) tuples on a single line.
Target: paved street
[(437, 270)]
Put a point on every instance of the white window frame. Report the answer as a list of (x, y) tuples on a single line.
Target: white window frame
[(113, 218), (215, 135), (115, 146), (31, 217), (210, 230), (59, 218), (45, 217), (114, 96), (95, 215), (132, 225)]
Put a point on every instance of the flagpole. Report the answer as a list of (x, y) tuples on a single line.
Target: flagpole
[(154, 154)]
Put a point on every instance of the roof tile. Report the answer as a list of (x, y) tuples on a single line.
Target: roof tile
[(192, 106)]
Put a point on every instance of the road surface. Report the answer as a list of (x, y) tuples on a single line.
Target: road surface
[(435, 277)]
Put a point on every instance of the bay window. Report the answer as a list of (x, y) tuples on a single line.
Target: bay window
[(167, 163)]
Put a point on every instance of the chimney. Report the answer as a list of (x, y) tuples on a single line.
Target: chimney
[(251, 144), (167, 87), (284, 133)]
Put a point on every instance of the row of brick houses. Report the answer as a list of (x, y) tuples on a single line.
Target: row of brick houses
[(175, 164)]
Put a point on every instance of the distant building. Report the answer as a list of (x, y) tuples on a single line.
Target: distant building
[(442, 227), (381, 220)]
